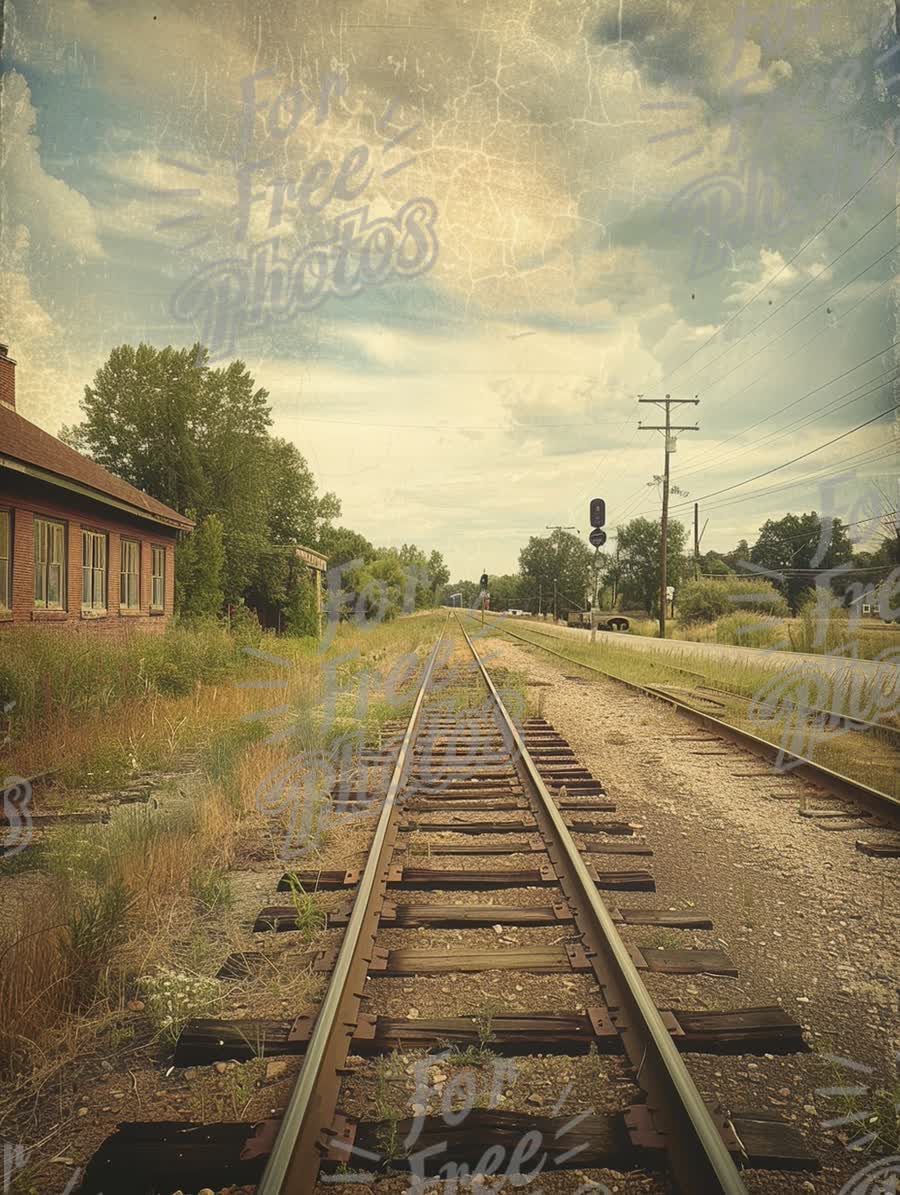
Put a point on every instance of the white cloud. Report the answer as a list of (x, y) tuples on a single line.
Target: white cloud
[(55, 214)]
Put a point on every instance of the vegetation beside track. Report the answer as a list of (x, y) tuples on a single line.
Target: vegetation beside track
[(114, 931), (729, 691)]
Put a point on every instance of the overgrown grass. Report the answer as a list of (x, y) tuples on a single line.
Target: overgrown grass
[(766, 699), (108, 904)]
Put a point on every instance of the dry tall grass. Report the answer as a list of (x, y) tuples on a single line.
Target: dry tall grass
[(113, 901)]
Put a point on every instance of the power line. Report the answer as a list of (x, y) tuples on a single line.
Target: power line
[(803, 318), (874, 384), (874, 453), (794, 402), (764, 288), (791, 298), (775, 364), (815, 475), (793, 460)]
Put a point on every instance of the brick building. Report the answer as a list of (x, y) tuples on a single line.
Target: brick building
[(79, 547)]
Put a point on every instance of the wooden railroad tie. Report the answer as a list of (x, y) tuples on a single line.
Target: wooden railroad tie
[(177, 1154), (768, 1030)]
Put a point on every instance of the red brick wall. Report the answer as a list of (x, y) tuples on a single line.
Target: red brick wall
[(30, 498)]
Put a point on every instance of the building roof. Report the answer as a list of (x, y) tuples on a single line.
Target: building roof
[(25, 447)]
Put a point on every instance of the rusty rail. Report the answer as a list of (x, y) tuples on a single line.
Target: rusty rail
[(877, 802), (309, 1119), (677, 1116)]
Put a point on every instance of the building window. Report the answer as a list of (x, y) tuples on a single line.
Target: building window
[(130, 580), (157, 578), (5, 560), (93, 571), (49, 564)]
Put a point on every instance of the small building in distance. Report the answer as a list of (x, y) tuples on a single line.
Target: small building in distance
[(80, 549)]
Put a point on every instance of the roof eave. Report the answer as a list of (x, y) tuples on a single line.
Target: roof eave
[(177, 522)]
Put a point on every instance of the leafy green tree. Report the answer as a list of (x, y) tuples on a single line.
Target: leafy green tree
[(342, 545), (198, 438), (468, 589), (804, 541), (438, 575), (505, 590), (639, 563), (560, 557), (738, 556), (199, 566), (713, 563)]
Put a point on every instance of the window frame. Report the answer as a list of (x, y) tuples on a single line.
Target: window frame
[(157, 552), (124, 605), (52, 526), (6, 590), (95, 539)]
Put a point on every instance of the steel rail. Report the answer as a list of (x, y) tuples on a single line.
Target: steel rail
[(293, 1163), (873, 799), (701, 1163)]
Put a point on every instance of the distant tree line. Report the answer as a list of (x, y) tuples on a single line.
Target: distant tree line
[(199, 439), (785, 558)]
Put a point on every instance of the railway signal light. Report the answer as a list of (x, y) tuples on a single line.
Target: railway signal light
[(598, 513), (598, 537)]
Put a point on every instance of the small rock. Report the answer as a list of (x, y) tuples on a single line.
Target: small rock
[(220, 1067), (807, 1186), (190, 1073), (82, 1111), (135, 1005), (413, 1014), (276, 1067)]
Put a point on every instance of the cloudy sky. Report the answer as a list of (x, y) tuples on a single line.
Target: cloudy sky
[(537, 210)]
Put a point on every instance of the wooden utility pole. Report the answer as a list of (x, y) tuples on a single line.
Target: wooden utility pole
[(666, 403), (696, 541), (557, 527)]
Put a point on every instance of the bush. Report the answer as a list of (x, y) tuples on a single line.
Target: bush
[(822, 626), (750, 630), (708, 599)]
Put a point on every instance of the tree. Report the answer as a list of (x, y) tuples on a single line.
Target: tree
[(739, 556), (342, 545), (561, 558), (712, 563), (505, 591), (438, 574), (801, 542), (198, 439), (639, 564), (468, 590), (199, 565)]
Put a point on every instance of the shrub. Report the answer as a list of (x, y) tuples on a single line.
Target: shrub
[(822, 625), (709, 599), (751, 630)]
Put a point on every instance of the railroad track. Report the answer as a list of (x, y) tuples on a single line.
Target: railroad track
[(512, 804), (865, 802)]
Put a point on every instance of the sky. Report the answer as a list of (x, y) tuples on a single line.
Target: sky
[(456, 241)]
